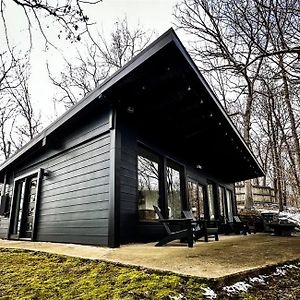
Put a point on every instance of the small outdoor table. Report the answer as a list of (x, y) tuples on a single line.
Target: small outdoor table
[(282, 229)]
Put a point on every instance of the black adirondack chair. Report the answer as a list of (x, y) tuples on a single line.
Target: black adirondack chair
[(183, 234), (238, 226), (201, 228)]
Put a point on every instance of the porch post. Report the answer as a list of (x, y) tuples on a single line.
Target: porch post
[(163, 187)]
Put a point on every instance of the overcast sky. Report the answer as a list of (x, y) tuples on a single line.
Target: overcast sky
[(151, 14)]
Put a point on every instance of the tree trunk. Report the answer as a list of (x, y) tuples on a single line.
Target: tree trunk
[(275, 152), (248, 195), (248, 205), (288, 103)]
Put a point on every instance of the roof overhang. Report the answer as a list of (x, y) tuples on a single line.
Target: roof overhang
[(173, 103), (170, 95)]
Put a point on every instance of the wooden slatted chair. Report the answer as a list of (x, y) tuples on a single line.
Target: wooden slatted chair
[(183, 234), (239, 226), (201, 228)]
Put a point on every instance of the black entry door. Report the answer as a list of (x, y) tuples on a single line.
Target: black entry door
[(28, 208), (24, 207)]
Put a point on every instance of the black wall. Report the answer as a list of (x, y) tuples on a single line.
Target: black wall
[(74, 195), (131, 230)]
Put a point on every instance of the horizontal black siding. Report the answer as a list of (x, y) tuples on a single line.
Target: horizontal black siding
[(3, 227), (74, 138), (75, 195), (75, 191)]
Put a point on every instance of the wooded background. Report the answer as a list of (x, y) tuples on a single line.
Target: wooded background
[(249, 51)]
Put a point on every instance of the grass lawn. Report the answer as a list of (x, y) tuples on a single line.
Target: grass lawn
[(36, 275), (28, 275)]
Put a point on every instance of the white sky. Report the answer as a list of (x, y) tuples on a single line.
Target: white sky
[(151, 14)]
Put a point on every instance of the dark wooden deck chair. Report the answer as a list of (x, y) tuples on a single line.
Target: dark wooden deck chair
[(238, 226), (184, 234), (201, 228)]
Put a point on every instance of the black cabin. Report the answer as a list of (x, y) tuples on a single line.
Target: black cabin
[(154, 133)]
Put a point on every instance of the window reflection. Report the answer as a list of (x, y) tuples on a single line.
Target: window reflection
[(196, 201), (211, 204), (148, 186), (222, 202), (229, 205), (174, 193)]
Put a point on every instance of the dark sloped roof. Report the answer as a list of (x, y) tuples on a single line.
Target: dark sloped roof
[(96, 95)]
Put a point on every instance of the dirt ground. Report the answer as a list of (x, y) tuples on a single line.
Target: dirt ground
[(283, 284), (230, 255)]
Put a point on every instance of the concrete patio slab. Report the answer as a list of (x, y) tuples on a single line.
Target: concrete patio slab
[(231, 255)]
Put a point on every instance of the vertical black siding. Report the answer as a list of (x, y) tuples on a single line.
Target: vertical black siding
[(128, 187), (74, 195)]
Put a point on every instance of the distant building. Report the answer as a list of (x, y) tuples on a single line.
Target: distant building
[(262, 195)]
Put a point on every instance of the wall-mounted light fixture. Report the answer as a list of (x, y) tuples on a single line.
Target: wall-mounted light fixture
[(46, 173), (199, 167), (130, 109)]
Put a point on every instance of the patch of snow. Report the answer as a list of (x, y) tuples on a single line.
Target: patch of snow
[(243, 286), (268, 211), (236, 288), (279, 272), (291, 266), (260, 280), (179, 297), (209, 293), (291, 215)]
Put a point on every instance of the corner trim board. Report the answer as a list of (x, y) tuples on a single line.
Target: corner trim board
[(114, 191)]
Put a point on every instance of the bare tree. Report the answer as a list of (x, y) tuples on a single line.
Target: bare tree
[(252, 49), (224, 34), (100, 58), (7, 117), (18, 120), (30, 123), (8, 66), (68, 15)]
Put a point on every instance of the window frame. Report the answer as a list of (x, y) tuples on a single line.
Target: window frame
[(13, 209), (232, 206), (214, 201), (203, 189), (222, 214), (163, 163), (148, 154), (171, 163)]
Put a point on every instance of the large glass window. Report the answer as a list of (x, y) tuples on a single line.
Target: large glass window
[(148, 184), (150, 180), (222, 198), (173, 191), (196, 202), (229, 205), (211, 201)]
